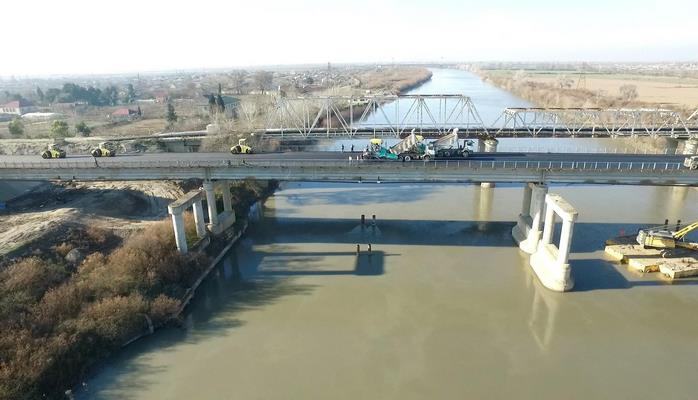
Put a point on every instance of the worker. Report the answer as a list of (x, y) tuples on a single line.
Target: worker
[(342, 148), (352, 148)]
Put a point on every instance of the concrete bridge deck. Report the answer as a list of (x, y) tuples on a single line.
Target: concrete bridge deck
[(335, 166)]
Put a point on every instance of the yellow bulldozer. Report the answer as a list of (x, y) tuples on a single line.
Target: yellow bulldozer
[(662, 237), (241, 148), (53, 151)]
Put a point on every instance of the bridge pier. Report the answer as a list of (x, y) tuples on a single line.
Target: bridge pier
[(691, 147), (671, 146), (176, 210), (527, 231), (219, 222), (550, 262), (490, 147)]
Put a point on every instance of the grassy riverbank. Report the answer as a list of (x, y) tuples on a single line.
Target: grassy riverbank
[(60, 315)]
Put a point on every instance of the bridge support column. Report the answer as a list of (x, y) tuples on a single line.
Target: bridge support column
[(527, 231), (490, 147), (550, 262), (176, 210), (691, 147), (671, 146), (219, 222), (209, 188), (198, 208), (179, 232)]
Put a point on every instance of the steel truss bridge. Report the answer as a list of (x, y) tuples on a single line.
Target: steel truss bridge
[(341, 117)]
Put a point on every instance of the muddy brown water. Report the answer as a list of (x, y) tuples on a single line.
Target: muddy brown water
[(445, 306)]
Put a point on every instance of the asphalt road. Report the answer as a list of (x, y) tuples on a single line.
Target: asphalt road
[(328, 155)]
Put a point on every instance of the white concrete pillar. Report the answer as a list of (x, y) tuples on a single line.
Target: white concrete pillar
[(690, 147), (538, 206), (563, 250), (211, 203), (198, 208), (490, 147), (548, 226), (671, 146), (480, 145), (180, 235), (526, 204), (227, 197)]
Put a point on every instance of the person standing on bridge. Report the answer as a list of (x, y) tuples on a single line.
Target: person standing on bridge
[(352, 148), (342, 147)]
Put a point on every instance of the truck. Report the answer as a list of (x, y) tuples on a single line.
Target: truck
[(412, 148), (376, 151), (449, 147), (691, 162)]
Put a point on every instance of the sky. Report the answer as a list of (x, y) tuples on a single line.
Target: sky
[(46, 37)]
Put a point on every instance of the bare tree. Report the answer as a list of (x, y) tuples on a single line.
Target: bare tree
[(628, 92), (565, 82), (263, 80), (239, 78)]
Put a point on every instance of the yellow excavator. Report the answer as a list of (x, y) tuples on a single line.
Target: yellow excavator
[(662, 237)]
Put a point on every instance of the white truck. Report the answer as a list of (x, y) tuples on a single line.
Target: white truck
[(449, 146), (412, 148), (691, 162)]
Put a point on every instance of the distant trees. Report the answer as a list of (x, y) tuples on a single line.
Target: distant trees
[(40, 94), (239, 78), (82, 129), (16, 126), (171, 115), (263, 80), (130, 94), (628, 92), (59, 129)]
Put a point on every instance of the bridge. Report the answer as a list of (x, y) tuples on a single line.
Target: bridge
[(338, 167), (335, 117)]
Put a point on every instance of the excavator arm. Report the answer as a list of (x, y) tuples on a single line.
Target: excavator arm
[(678, 235)]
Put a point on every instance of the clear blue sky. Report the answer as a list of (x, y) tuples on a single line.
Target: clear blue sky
[(89, 36)]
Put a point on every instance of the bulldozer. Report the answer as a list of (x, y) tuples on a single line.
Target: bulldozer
[(241, 148), (103, 150), (662, 237), (53, 151)]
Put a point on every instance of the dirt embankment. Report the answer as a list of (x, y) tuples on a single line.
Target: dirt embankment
[(92, 267), (33, 221)]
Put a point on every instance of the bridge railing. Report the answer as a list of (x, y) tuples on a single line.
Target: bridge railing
[(306, 163)]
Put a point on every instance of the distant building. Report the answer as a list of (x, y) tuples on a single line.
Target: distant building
[(161, 97), (124, 114), (17, 107)]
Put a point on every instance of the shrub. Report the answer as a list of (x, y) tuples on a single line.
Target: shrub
[(163, 308), (16, 127)]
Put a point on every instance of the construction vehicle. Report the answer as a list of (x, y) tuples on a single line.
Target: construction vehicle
[(449, 147), (376, 151), (53, 151), (662, 237), (412, 148), (691, 162), (241, 148), (105, 149)]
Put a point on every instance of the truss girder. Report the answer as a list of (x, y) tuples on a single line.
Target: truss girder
[(593, 121)]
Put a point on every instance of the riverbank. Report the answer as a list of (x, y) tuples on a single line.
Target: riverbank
[(72, 301)]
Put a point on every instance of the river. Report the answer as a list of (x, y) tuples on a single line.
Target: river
[(444, 307)]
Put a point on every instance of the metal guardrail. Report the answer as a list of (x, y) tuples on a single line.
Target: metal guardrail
[(440, 164)]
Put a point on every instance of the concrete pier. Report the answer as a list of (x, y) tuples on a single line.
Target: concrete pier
[(527, 231), (218, 222), (690, 147), (551, 262), (176, 210), (490, 147), (671, 146)]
